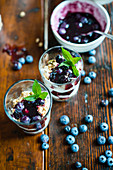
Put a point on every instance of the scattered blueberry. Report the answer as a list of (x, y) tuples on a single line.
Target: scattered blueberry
[(45, 146), (92, 75), (17, 65), (91, 59), (108, 153), (70, 139), (67, 129), (74, 131), (110, 139), (83, 73), (78, 164), (84, 168), (64, 119), (101, 140), (87, 80), (75, 148), (82, 128), (104, 102), (22, 60), (102, 159), (29, 59), (92, 52), (89, 119), (110, 161), (110, 92), (103, 126), (44, 138)]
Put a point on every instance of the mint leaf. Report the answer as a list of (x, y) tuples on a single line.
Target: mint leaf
[(65, 63), (36, 88), (66, 54), (30, 98), (43, 95), (76, 59), (75, 71)]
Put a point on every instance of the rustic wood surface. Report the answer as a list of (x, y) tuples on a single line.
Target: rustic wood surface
[(19, 151)]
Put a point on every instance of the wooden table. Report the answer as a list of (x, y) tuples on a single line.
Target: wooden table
[(19, 151)]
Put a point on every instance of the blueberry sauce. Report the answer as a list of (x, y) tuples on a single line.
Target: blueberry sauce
[(77, 23)]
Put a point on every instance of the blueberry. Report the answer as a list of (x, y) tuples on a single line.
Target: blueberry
[(87, 80), (89, 119), (92, 75), (101, 140), (110, 161), (70, 139), (17, 65), (45, 146), (75, 148), (25, 119), (83, 73), (67, 129), (110, 139), (91, 59), (103, 126), (110, 92), (104, 102), (92, 52), (29, 59), (64, 119), (102, 159), (38, 126), (44, 138), (19, 106), (108, 153), (36, 118), (78, 164), (59, 59), (84, 168), (62, 31), (16, 114), (82, 128), (74, 131), (22, 60)]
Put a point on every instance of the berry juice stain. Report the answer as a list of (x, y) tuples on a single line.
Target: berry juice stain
[(77, 23)]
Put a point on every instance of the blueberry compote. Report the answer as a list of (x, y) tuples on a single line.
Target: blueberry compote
[(75, 24)]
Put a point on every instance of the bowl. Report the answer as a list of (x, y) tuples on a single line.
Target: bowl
[(97, 10), (59, 91), (11, 96)]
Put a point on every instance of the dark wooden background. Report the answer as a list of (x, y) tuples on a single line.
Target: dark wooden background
[(19, 151)]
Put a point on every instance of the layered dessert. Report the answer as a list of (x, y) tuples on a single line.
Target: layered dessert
[(61, 72)]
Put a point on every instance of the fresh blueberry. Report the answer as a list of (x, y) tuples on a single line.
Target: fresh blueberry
[(108, 153), (101, 140), (67, 129), (104, 102), (36, 118), (110, 92), (89, 119), (70, 139), (103, 126), (29, 59), (91, 59), (82, 128), (17, 65), (44, 138), (92, 75), (59, 59), (84, 168), (78, 164), (45, 146), (87, 80), (75, 148), (110, 139), (25, 119), (74, 131), (83, 73), (92, 52), (38, 126), (64, 119), (110, 161), (22, 60), (102, 159)]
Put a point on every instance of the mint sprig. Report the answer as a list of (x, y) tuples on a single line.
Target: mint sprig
[(70, 61), (37, 92)]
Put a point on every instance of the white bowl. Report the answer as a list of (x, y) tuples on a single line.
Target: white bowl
[(99, 12)]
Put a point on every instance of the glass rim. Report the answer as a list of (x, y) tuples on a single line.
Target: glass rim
[(21, 123), (55, 47)]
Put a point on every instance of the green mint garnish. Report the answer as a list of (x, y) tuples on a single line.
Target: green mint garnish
[(70, 61), (37, 92)]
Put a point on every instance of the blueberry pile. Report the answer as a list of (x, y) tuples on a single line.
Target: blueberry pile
[(44, 139), (19, 55), (106, 158)]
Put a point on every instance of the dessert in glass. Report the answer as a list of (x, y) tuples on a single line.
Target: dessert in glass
[(28, 104), (60, 75)]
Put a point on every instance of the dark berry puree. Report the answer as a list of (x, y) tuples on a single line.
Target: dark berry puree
[(77, 23)]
